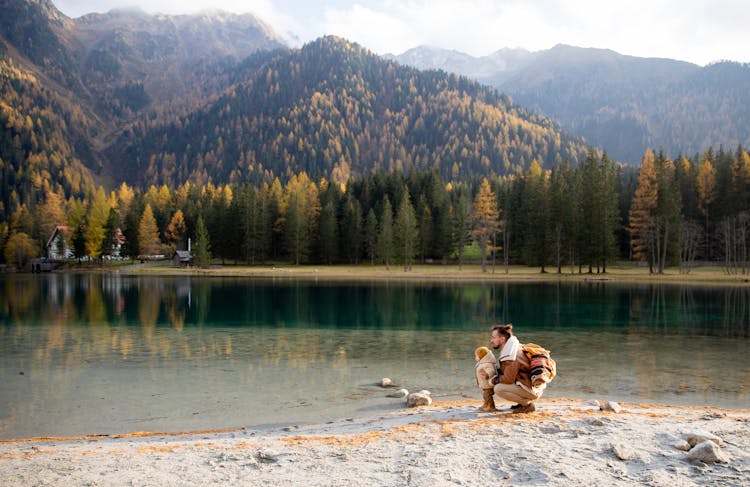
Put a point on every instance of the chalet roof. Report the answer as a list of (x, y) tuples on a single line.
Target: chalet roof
[(58, 229), (183, 254)]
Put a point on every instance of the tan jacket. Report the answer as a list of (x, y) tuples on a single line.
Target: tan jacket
[(487, 365), (516, 370)]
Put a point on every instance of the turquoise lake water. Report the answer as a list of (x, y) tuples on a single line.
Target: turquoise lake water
[(104, 354)]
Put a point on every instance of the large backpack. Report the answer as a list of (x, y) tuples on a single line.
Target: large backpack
[(542, 368)]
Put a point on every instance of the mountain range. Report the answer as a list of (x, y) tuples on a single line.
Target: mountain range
[(623, 104), (217, 97), (127, 96)]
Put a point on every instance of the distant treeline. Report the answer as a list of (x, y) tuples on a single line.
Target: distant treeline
[(565, 219)]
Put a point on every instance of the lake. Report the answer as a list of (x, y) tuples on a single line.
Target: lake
[(108, 353)]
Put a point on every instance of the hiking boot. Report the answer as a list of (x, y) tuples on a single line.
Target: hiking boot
[(529, 408), (489, 400)]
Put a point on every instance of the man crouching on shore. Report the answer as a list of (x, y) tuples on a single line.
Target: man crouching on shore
[(513, 383)]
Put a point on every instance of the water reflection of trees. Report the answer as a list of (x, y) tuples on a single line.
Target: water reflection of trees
[(93, 316)]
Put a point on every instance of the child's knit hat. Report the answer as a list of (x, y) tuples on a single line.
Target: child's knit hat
[(481, 352)]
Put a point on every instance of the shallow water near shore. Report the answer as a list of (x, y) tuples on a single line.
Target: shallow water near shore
[(106, 354)]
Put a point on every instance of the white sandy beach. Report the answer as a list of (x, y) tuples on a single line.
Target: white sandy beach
[(566, 442)]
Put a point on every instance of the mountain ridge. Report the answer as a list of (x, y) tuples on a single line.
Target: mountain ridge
[(332, 109), (624, 104)]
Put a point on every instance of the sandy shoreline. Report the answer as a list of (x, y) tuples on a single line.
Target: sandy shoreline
[(448, 443), (625, 274)]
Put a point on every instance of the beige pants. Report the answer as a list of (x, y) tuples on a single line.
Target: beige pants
[(516, 393)]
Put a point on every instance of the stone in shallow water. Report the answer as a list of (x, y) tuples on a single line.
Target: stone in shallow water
[(386, 382)]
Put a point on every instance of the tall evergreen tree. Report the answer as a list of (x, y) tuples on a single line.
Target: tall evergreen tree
[(202, 250), (328, 234), (536, 215), (385, 234), (561, 213), (371, 235), (706, 183), (351, 229), (462, 226), (442, 217), (668, 213), (406, 233), (425, 229), (110, 232), (607, 218)]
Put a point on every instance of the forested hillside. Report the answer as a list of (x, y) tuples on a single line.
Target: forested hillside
[(334, 109), (148, 100), (623, 104), (330, 154)]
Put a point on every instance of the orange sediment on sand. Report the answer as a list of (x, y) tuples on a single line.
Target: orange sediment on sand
[(135, 434)]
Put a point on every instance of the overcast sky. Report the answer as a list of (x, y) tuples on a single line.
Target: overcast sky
[(698, 31)]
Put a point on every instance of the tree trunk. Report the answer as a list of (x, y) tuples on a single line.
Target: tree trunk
[(663, 259)]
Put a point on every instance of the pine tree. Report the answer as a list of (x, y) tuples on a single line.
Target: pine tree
[(668, 213), (371, 235), (328, 234), (425, 229), (536, 216), (406, 233), (706, 183), (351, 229), (461, 227), (561, 212), (202, 249), (110, 232), (606, 219), (385, 234)]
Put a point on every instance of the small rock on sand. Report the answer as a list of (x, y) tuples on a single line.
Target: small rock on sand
[(623, 452), (418, 399), (610, 406), (399, 393), (707, 452), (386, 382), (695, 437)]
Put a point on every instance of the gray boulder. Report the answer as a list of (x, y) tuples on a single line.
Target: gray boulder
[(707, 452)]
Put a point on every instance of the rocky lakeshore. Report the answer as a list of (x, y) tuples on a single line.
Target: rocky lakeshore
[(565, 442)]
